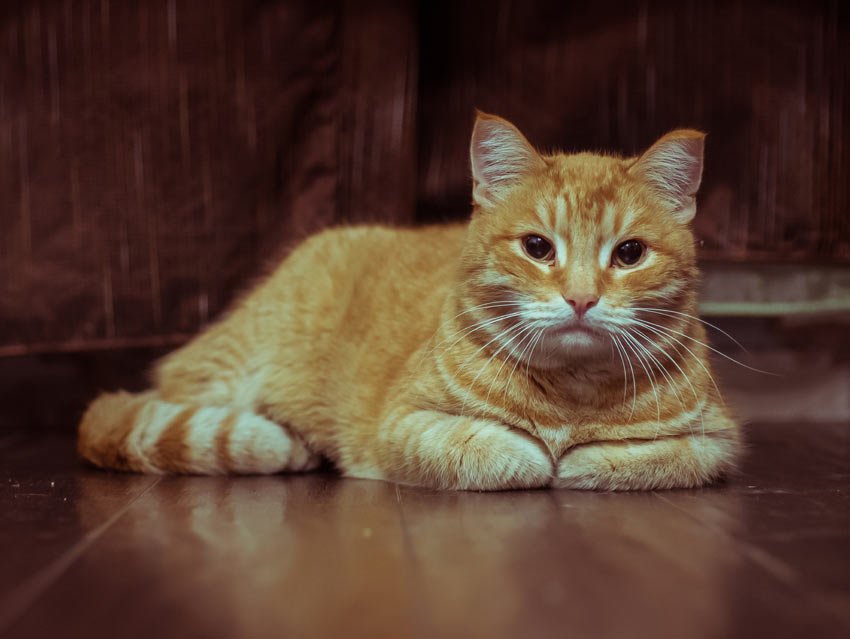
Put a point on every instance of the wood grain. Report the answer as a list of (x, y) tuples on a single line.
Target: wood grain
[(765, 554)]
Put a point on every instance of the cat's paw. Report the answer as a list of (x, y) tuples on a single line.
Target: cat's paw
[(672, 462), (497, 458)]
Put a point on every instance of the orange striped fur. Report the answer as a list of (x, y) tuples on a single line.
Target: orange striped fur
[(449, 356)]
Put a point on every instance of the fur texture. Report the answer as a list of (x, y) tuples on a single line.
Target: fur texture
[(450, 356)]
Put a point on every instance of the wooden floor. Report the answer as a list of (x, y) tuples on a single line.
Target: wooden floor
[(92, 554)]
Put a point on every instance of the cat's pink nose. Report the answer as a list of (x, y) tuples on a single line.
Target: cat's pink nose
[(582, 303)]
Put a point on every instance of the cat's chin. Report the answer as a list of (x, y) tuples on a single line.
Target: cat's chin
[(566, 345)]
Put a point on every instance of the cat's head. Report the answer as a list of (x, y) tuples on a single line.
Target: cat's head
[(578, 245)]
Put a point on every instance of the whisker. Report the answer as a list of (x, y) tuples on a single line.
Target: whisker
[(687, 379), (711, 348), (662, 369), (469, 330), (634, 379), (527, 332), (518, 360), (623, 363), (530, 357), (628, 342), (502, 334), (664, 311), (650, 327), (517, 330)]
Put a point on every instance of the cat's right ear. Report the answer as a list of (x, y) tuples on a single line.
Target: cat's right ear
[(500, 156)]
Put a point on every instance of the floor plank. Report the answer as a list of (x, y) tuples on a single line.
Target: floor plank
[(41, 489), (316, 556), (252, 557)]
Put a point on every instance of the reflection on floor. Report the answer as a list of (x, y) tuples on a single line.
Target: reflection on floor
[(89, 553)]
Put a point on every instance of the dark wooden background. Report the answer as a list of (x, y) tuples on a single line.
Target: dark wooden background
[(156, 156)]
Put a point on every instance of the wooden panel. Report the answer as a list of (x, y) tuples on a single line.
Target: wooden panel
[(155, 156), (769, 82)]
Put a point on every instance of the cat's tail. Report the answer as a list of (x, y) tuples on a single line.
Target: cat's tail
[(140, 432)]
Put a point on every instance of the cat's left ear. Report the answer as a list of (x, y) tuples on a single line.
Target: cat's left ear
[(673, 168), (500, 157)]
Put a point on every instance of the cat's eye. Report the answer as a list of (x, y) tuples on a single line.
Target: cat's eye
[(628, 253), (538, 248)]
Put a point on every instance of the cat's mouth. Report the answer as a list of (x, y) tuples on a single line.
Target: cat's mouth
[(575, 328)]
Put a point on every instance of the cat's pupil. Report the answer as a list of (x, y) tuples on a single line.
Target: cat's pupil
[(629, 252), (536, 247)]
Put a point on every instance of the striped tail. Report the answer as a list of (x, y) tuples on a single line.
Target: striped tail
[(140, 432)]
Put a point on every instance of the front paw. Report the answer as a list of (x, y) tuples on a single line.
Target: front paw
[(671, 462), (496, 458), (585, 467)]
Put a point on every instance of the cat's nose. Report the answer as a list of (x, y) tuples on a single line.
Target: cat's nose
[(581, 303)]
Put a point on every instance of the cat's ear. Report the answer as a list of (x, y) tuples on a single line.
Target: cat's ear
[(501, 157), (673, 168)]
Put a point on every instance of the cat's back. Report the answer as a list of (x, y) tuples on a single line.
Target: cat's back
[(341, 278), (347, 259)]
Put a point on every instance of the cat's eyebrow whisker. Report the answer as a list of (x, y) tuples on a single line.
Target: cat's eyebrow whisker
[(664, 311), (711, 348)]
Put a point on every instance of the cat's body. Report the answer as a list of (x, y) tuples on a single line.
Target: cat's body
[(450, 356)]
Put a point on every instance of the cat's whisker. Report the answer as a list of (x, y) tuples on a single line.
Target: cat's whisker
[(629, 342), (537, 339), (525, 333), (712, 349), (656, 329), (634, 379), (516, 330), (665, 374), (664, 311), (623, 363), (687, 379), (472, 309), (467, 331), (519, 359)]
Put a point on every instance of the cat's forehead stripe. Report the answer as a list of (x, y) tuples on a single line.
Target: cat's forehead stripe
[(560, 216), (543, 214)]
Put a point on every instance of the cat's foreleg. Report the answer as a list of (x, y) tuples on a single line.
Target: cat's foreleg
[(442, 450), (667, 462)]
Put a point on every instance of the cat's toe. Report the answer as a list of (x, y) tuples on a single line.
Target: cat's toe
[(584, 468), (499, 459)]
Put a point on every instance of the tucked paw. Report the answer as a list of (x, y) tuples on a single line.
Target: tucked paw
[(585, 467), (672, 462), (496, 458)]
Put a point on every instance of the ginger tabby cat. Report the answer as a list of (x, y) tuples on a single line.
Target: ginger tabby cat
[(551, 341)]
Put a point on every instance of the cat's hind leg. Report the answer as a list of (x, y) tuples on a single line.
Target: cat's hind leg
[(140, 432)]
